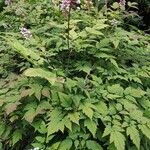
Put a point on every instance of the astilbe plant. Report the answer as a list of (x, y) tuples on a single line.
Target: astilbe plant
[(92, 95)]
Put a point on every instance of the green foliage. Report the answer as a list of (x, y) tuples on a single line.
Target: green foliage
[(83, 87)]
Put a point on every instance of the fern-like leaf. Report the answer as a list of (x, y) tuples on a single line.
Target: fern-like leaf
[(134, 135), (91, 125), (145, 130), (39, 72), (118, 139)]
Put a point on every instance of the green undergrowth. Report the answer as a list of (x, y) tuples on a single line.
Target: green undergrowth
[(81, 83)]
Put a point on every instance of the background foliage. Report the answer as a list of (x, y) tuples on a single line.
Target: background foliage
[(83, 87)]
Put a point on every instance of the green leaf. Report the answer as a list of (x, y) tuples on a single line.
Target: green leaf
[(93, 145), (76, 143), (91, 125), (46, 92), (145, 130), (87, 110), (28, 54), (115, 42), (65, 99), (1, 145), (112, 147), (2, 128), (74, 117), (101, 107), (40, 139), (11, 107), (134, 92), (16, 136), (134, 135), (29, 115), (39, 72), (118, 139), (70, 83), (73, 34), (37, 145), (66, 144), (115, 5), (114, 63), (36, 89), (100, 26), (93, 31), (107, 131), (55, 146), (56, 122), (67, 123), (115, 89), (103, 55), (136, 115)]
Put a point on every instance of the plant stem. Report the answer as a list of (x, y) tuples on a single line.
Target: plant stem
[(106, 3), (68, 41), (68, 36)]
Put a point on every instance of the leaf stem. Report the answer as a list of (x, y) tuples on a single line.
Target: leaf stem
[(68, 41)]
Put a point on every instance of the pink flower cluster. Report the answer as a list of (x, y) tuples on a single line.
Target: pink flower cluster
[(8, 2), (66, 5), (26, 33), (122, 2)]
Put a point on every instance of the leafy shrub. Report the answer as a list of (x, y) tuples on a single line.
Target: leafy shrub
[(86, 86)]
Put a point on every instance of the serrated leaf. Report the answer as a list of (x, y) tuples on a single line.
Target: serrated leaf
[(1, 102), (91, 125), (74, 117), (115, 42), (10, 107), (66, 144), (65, 99), (39, 72), (103, 55), (118, 139), (134, 135), (115, 89), (93, 31), (112, 147), (28, 54), (68, 123), (73, 34), (46, 92), (138, 93), (101, 107), (40, 139), (93, 145), (29, 115), (56, 123), (114, 63), (107, 131), (55, 146), (39, 145), (2, 128), (100, 26), (145, 130), (25, 93), (87, 110), (70, 83), (16, 136), (136, 115), (36, 88)]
